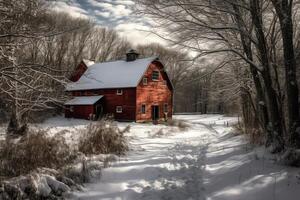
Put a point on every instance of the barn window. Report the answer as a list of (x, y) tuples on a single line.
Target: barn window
[(155, 75), (165, 107), (119, 109), (145, 81), (71, 108), (143, 110), (119, 92)]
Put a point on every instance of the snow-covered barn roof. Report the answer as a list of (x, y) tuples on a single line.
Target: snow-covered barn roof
[(116, 74), (84, 100)]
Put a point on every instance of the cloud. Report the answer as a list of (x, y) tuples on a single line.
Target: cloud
[(138, 33), (102, 14), (117, 14), (116, 11), (74, 10)]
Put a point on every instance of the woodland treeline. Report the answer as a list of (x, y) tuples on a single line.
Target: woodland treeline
[(257, 43), (224, 57), (39, 49)]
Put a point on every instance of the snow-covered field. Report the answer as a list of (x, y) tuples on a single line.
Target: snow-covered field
[(206, 161)]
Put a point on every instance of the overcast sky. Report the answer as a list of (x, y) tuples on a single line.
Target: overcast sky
[(116, 14)]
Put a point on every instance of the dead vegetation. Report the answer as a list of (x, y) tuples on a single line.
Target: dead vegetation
[(103, 137), (254, 135), (37, 166), (31, 151)]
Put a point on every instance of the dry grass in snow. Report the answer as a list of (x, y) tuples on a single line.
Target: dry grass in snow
[(32, 151), (103, 137)]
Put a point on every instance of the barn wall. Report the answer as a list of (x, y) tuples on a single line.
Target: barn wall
[(154, 93), (79, 111), (112, 100)]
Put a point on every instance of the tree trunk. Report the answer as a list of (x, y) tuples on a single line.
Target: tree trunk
[(262, 110), (275, 131), (284, 11)]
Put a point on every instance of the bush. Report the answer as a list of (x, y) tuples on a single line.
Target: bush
[(182, 125), (32, 151), (103, 137)]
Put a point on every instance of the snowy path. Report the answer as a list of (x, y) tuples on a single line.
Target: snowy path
[(205, 162)]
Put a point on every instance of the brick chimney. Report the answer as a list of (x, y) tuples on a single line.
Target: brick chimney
[(131, 55)]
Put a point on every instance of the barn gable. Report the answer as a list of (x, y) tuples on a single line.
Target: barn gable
[(80, 69)]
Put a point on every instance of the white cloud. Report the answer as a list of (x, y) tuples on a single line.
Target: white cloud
[(117, 14), (102, 14), (125, 2), (73, 10), (138, 33), (116, 10)]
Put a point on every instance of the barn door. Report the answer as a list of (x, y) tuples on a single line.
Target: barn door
[(99, 111), (155, 113)]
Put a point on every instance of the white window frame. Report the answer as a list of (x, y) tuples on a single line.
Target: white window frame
[(119, 109), (119, 92), (71, 108), (145, 81), (155, 71), (143, 105), (166, 108)]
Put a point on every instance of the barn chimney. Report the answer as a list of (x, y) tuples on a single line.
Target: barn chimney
[(131, 55)]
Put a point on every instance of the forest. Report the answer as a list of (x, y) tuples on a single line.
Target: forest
[(41, 48), (234, 65), (255, 46)]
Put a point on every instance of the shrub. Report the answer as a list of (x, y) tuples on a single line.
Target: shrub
[(32, 151), (103, 137)]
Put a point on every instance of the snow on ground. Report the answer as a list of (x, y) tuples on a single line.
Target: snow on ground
[(206, 161)]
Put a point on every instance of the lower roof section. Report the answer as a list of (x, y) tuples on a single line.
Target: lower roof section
[(84, 100)]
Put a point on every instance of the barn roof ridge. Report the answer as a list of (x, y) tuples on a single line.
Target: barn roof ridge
[(109, 61)]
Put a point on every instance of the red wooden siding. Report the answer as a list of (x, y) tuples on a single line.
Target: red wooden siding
[(154, 93), (112, 100), (80, 69), (79, 111)]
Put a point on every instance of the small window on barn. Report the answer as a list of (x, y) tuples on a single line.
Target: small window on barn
[(71, 108), (165, 107), (145, 81), (119, 109), (119, 91), (143, 109), (155, 75)]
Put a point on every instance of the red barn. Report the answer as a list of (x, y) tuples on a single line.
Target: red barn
[(131, 90)]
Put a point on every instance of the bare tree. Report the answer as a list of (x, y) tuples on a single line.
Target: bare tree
[(245, 30), (25, 82)]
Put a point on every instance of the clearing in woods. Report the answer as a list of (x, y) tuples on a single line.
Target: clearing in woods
[(206, 161)]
